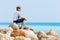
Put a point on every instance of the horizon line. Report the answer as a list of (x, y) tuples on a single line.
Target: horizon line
[(33, 22)]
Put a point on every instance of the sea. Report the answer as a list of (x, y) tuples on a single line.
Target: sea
[(45, 27)]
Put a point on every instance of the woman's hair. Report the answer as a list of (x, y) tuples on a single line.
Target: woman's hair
[(18, 7)]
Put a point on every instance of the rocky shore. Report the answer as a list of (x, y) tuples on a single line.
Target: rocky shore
[(14, 32)]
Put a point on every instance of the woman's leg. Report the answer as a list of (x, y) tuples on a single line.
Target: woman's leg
[(22, 20), (23, 24)]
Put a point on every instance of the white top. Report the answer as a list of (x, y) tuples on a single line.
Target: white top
[(15, 16)]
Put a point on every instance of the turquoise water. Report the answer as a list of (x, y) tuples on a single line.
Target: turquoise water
[(38, 26)]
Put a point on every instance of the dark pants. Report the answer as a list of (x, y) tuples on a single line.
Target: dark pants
[(19, 20)]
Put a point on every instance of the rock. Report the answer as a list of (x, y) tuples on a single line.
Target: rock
[(17, 33), (50, 37), (5, 37), (58, 38), (27, 39), (6, 31), (3, 31), (30, 34), (32, 29), (41, 35), (9, 30), (52, 32), (24, 28), (26, 33), (21, 38), (27, 28), (14, 26)]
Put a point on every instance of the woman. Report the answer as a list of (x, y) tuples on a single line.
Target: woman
[(18, 18)]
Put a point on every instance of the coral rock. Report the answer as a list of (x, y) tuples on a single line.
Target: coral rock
[(17, 33)]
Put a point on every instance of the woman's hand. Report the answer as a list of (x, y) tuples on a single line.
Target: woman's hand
[(26, 19), (21, 17)]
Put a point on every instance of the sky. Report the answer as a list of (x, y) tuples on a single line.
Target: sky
[(33, 10)]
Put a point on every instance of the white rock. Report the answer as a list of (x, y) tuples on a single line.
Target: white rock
[(9, 30), (5, 37), (27, 39), (14, 26), (30, 34)]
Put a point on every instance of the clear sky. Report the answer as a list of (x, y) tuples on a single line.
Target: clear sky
[(33, 10)]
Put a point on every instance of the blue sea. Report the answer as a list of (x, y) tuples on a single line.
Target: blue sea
[(39, 26)]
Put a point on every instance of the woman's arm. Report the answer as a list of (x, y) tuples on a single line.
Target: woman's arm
[(20, 15)]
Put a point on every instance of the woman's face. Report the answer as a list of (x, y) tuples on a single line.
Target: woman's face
[(19, 9)]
